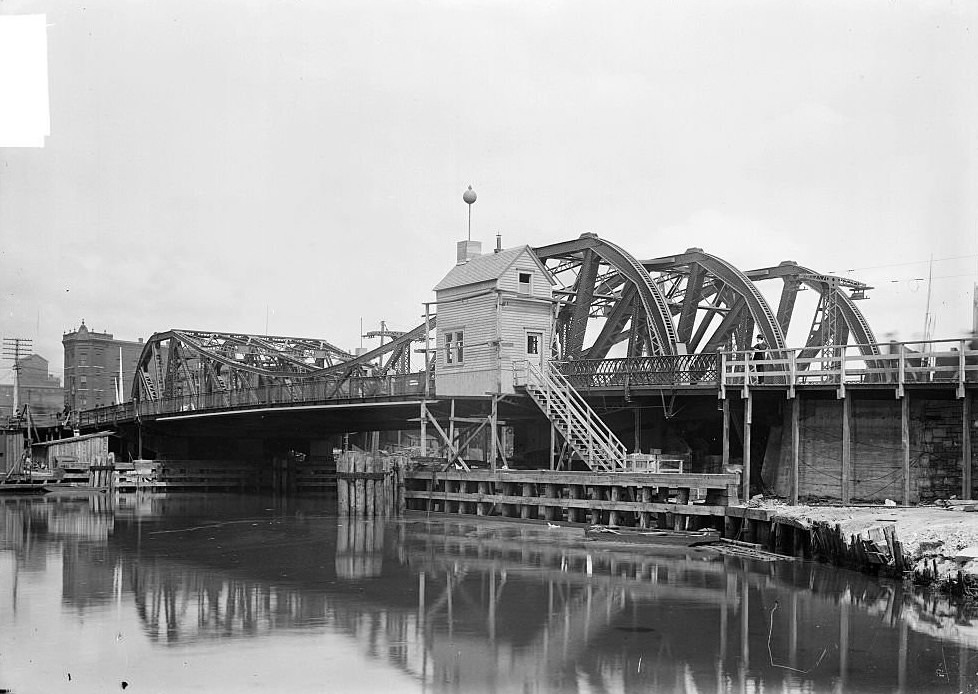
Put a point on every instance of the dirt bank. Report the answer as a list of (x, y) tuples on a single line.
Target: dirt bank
[(938, 538)]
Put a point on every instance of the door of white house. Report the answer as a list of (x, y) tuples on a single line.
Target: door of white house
[(534, 347)]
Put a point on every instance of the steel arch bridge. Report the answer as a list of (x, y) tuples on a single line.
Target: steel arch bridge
[(240, 369), (692, 302), (609, 302)]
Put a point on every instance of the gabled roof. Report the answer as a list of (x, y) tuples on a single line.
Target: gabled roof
[(488, 268)]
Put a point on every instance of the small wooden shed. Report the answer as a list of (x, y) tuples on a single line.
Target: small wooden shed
[(75, 452), (11, 448), (494, 312)]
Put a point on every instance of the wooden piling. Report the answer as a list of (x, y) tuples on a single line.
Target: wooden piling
[(550, 512), (527, 492), (368, 485), (614, 518), (645, 518), (360, 466), (342, 495)]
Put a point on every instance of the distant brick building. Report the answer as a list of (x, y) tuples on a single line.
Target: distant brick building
[(92, 368), (38, 388)]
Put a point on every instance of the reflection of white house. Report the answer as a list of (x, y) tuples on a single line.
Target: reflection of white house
[(493, 310)]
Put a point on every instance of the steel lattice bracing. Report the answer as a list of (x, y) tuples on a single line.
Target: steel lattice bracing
[(692, 302), (601, 279), (836, 319), (192, 363), (720, 299)]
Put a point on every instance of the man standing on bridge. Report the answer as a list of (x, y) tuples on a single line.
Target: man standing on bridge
[(760, 353)]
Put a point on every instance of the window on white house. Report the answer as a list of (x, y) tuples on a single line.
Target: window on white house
[(533, 343), (454, 352), (525, 279)]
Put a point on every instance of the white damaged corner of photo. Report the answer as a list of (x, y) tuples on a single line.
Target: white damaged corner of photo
[(24, 116)]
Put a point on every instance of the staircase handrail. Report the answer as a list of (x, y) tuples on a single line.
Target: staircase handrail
[(559, 387), (616, 446)]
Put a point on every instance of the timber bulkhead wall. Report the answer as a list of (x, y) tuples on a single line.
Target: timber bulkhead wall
[(643, 500), (936, 455)]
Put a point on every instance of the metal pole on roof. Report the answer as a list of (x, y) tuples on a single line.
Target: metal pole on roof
[(469, 197)]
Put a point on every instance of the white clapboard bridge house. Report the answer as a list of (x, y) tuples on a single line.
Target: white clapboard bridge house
[(495, 311)]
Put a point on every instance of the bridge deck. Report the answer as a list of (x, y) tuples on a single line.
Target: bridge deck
[(943, 365), (947, 365), (351, 392)]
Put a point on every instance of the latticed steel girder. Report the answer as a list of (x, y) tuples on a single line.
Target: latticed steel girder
[(837, 319), (583, 258), (180, 363), (706, 273), (689, 302)]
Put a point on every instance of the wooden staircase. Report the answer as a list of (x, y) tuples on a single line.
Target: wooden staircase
[(581, 427)]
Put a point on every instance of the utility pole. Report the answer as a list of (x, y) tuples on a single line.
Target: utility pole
[(974, 312), (15, 348)]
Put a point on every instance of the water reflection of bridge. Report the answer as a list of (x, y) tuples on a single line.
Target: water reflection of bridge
[(460, 604)]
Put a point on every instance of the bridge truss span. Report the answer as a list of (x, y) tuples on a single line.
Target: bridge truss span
[(613, 305), (180, 370)]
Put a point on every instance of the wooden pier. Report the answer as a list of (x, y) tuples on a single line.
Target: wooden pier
[(641, 500)]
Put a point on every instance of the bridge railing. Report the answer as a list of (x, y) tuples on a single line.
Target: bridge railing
[(679, 370), (935, 361), (284, 394), (898, 364)]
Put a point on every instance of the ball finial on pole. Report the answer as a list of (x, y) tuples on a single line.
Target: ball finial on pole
[(469, 197)]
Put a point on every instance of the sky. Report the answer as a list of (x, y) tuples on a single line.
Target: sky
[(297, 168)]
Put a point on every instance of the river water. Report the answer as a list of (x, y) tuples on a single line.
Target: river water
[(249, 593)]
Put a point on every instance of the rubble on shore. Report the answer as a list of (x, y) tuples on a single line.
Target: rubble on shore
[(939, 542)]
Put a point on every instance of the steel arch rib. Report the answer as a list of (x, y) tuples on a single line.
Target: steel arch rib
[(734, 279), (663, 331), (143, 361), (854, 319), (764, 317)]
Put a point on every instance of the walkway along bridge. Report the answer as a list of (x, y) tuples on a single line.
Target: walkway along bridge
[(656, 352)]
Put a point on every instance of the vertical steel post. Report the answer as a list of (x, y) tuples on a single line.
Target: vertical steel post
[(726, 433), (795, 450), (901, 370), (748, 416), (905, 445), (962, 346), (427, 352), (451, 430), (846, 473), (424, 429), (553, 447), (966, 490), (493, 446), (638, 431)]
